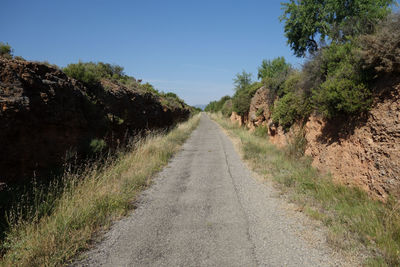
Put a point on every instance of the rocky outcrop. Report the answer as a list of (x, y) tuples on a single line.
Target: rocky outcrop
[(362, 151), (259, 111), (47, 117), (236, 118)]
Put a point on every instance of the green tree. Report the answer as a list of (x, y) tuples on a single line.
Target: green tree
[(273, 68), (273, 74), (242, 80), (241, 102), (310, 23), (5, 50)]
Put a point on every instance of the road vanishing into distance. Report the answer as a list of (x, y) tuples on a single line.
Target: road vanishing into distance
[(207, 209)]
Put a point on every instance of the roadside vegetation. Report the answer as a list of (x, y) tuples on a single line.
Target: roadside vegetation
[(63, 220), (91, 75), (348, 47), (356, 223)]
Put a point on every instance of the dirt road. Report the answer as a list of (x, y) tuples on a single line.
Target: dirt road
[(206, 209)]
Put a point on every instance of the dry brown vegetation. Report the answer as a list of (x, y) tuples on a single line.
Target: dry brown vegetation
[(89, 202)]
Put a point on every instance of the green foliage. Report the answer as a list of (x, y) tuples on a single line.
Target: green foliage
[(242, 81), (97, 145), (309, 23), (227, 108), (149, 88), (287, 110), (294, 104), (261, 131), (273, 74), (171, 100), (344, 90), (241, 102), (215, 106), (273, 68), (5, 50), (242, 98), (91, 73)]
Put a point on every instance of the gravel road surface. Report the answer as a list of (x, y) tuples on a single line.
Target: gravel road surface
[(206, 209)]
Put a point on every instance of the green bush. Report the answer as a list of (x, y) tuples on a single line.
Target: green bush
[(171, 100), (5, 50), (294, 104), (287, 110), (147, 87), (273, 74), (241, 102), (227, 108), (344, 90), (261, 131), (97, 145), (215, 106), (90, 73)]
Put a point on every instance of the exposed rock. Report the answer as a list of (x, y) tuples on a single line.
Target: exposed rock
[(259, 109), (47, 117), (235, 118), (363, 151), (367, 156)]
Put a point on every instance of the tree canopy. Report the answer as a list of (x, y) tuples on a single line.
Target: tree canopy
[(272, 68), (312, 23), (242, 80)]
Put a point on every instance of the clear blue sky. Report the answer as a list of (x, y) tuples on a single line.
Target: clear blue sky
[(192, 48)]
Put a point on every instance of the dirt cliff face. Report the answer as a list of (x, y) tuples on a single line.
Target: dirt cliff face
[(259, 111), (47, 117), (363, 151)]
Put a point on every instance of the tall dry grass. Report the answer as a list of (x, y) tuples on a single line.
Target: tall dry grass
[(88, 202), (355, 221)]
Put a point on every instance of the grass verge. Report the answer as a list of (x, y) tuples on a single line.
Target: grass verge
[(355, 221), (89, 202)]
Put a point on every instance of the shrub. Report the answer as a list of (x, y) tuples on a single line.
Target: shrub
[(381, 51), (273, 74), (83, 72), (149, 88), (261, 131), (241, 102), (287, 110), (171, 100), (215, 106), (97, 145), (227, 108), (90, 73), (242, 98), (294, 104), (5, 50), (344, 90)]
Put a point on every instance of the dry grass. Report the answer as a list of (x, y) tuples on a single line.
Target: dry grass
[(89, 202), (354, 220)]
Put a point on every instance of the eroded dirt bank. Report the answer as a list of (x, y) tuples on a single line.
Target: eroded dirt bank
[(362, 151), (48, 118)]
